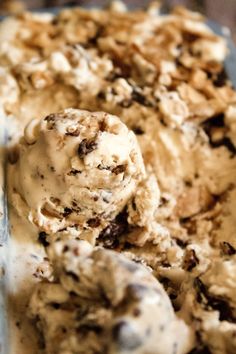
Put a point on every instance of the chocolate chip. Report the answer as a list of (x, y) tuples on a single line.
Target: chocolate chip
[(94, 222), (125, 336), (65, 249), (189, 37), (224, 142), (73, 172), (86, 146), (136, 312), (109, 237), (89, 327), (13, 155), (216, 121), (75, 132), (50, 118), (200, 350), (101, 95), (190, 260), (119, 169), (73, 276), (214, 302), (42, 238), (102, 126), (227, 249), (221, 79), (181, 243), (140, 98), (67, 211), (55, 305), (138, 130)]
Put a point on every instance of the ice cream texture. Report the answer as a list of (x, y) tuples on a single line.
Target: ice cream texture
[(102, 302), (77, 169), (166, 200)]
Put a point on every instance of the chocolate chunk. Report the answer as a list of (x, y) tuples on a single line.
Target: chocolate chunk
[(125, 336), (102, 126), (138, 130), (119, 169), (13, 155), (189, 37), (228, 249), (65, 249), (218, 121), (101, 95), (50, 118), (190, 260), (55, 305), (214, 302), (74, 172), (140, 98), (215, 121), (94, 222), (73, 276), (42, 238), (89, 327), (67, 211), (221, 79), (200, 350), (75, 132), (110, 235), (86, 146), (136, 312), (225, 142)]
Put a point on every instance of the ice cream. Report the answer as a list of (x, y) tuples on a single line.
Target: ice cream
[(101, 302), (175, 212), (76, 169)]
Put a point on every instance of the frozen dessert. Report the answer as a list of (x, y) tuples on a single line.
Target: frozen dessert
[(150, 177), (100, 302), (76, 169)]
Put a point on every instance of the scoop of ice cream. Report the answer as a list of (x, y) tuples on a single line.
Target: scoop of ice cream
[(77, 169), (102, 302)]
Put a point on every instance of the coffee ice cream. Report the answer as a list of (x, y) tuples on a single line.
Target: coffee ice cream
[(101, 302), (76, 169)]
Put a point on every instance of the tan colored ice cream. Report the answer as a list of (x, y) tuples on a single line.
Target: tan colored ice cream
[(102, 302), (76, 169)]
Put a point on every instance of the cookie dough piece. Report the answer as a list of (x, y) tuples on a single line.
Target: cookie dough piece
[(101, 302), (76, 169)]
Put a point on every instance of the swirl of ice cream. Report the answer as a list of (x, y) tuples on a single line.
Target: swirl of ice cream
[(76, 169), (101, 302)]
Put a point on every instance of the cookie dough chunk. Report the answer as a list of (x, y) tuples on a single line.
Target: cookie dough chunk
[(101, 302), (76, 169)]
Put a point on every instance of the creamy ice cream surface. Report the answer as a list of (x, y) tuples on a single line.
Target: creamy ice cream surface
[(101, 302), (121, 182), (76, 169)]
